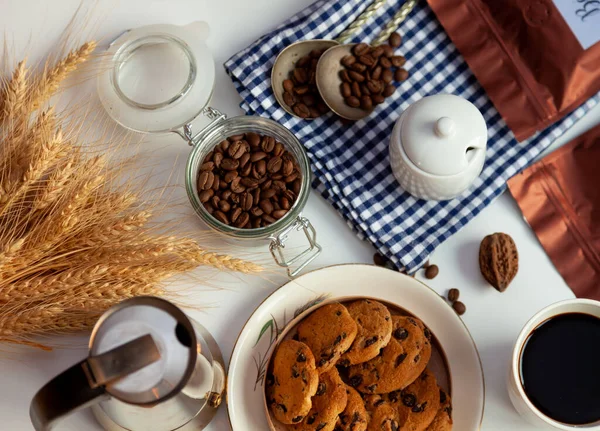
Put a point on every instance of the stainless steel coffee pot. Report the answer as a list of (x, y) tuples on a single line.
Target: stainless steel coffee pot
[(150, 367)]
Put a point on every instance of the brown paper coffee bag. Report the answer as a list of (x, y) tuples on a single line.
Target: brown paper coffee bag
[(560, 198), (537, 59)]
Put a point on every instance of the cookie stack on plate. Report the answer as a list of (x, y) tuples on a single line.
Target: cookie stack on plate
[(356, 367)]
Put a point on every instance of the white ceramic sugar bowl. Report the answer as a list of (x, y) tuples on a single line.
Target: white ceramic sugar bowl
[(437, 148)]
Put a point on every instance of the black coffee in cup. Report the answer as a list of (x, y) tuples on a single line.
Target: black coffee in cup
[(560, 368)]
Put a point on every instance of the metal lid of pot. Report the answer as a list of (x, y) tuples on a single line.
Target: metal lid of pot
[(440, 134), (158, 77), (171, 332)]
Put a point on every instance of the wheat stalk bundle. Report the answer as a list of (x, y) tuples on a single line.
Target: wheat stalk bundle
[(74, 240)]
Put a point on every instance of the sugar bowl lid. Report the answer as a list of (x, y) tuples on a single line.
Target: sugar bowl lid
[(441, 134), (158, 77)]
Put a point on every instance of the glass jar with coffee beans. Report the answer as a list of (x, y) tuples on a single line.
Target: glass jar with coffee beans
[(249, 178), (249, 181)]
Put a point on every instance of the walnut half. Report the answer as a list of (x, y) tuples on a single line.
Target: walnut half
[(498, 260)]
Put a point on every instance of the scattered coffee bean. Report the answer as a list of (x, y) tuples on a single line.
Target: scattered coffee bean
[(431, 271), (459, 307), (453, 295), (400, 75), (368, 74), (249, 181), (300, 89), (395, 40)]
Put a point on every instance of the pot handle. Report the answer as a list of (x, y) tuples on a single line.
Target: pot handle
[(302, 259), (85, 383)]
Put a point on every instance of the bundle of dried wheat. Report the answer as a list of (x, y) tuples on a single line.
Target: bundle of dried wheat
[(72, 241)]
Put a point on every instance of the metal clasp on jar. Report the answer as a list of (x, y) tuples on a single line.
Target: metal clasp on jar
[(305, 257), (212, 114)]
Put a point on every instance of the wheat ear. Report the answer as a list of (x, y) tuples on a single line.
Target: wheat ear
[(53, 77)]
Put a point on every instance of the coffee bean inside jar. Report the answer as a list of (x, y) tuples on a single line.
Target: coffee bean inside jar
[(249, 181)]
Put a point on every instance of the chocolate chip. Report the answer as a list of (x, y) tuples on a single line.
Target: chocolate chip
[(409, 400), (321, 389), (400, 334), (321, 426), (337, 340), (394, 396), (311, 419), (401, 357), (417, 358), (270, 379), (378, 403), (371, 388), (371, 341), (442, 397), (419, 408), (355, 381), (301, 357), (389, 424), (297, 419), (322, 362), (282, 407)]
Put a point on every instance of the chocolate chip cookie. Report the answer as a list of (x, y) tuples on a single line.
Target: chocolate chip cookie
[(443, 418), (418, 403), (398, 364), (354, 417), (328, 331), (329, 401), (374, 324), (385, 418), (292, 382)]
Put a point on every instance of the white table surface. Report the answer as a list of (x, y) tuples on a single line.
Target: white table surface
[(494, 319)]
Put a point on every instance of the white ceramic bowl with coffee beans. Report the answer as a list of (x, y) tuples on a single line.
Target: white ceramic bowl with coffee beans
[(249, 178)]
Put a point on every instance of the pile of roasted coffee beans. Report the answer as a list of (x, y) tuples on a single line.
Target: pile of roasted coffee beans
[(249, 181), (368, 73), (300, 90)]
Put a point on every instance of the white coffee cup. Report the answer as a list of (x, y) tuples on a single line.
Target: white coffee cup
[(515, 389)]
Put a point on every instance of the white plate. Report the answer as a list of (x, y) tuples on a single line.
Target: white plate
[(261, 333)]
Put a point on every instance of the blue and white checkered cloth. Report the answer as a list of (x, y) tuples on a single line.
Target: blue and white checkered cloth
[(350, 162)]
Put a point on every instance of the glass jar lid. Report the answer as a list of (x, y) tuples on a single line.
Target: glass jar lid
[(160, 77)]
